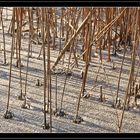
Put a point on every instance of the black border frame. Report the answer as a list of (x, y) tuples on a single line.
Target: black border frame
[(68, 3)]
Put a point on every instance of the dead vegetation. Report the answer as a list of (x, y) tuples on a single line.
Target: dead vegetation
[(88, 47)]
